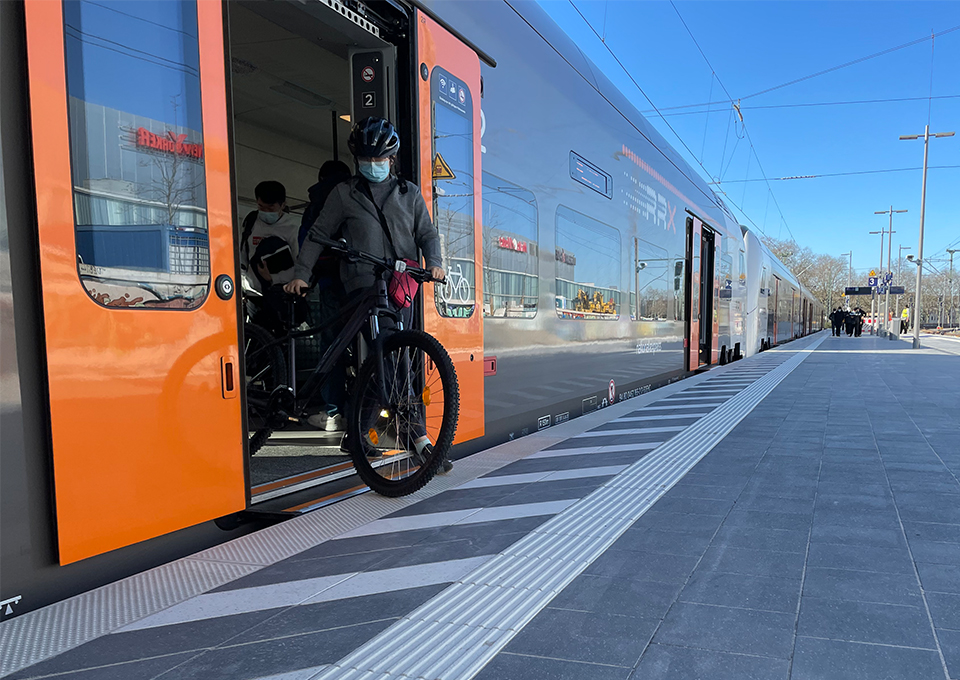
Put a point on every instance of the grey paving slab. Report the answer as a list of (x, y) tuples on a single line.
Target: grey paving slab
[(667, 542), (888, 624), (643, 566), (950, 646), (945, 609), (753, 562), (860, 557), (585, 636), (742, 590), (781, 540), (728, 629), (748, 518), (168, 641), (506, 665), (943, 578), (311, 618), (609, 595), (816, 659), (935, 552), (147, 668), (670, 662), (278, 655)]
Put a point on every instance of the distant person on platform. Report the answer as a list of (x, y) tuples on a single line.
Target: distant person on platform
[(905, 320), (836, 322), (858, 323), (849, 321)]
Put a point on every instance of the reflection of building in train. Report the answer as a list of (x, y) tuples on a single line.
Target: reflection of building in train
[(140, 208), (510, 283)]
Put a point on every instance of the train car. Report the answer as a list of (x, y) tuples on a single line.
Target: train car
[(779, 307), (587, 262)]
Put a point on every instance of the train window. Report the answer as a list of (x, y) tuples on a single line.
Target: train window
[(511, 287), (588, 267), (652, 283), (136, 150), (453, 192)]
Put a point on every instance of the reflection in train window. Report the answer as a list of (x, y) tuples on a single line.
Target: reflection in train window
[(588, 267), (679, 301), (726, 276), (136, 149), (652, 283), (453, 192), (510, 253)]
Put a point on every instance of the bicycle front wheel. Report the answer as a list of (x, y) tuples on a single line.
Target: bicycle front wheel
[(265, 369), (411, 394)]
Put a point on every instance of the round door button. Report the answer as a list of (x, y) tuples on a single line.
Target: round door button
[(224, 287)]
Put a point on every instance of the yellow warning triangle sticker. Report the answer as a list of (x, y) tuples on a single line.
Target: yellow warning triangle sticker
[(441, 170)]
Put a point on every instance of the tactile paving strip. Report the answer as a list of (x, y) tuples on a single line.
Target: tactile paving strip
[(454, 635)]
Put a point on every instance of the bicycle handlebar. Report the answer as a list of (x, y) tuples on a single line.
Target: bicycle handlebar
[(384, 264)]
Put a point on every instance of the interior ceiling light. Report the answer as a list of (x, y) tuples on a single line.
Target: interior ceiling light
[(345, 117), (302, 95), (242, 67)]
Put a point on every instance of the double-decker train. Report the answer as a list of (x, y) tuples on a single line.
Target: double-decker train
[(587, 262)]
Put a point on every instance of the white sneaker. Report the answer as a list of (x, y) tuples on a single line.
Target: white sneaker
[(318, 420), (334, 423)]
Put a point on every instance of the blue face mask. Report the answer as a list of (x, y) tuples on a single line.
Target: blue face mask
[(374, 171)]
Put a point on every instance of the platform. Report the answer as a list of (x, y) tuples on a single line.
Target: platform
[(792, 515)]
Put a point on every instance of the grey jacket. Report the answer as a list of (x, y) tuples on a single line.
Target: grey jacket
[(350, 211)]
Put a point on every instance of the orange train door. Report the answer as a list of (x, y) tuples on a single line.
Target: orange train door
[(449, 121), (137, 263)]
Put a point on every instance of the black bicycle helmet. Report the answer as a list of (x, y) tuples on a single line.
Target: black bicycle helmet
[(373, 137)]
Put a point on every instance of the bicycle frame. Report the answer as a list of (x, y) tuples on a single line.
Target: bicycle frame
[(373, 306)]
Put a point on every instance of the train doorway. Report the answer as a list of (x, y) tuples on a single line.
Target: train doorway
[(300, 74), (702, 293)]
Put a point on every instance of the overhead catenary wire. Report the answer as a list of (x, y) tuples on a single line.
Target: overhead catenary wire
[(825, 71), (808, 104), (836, 174), (743, 125)]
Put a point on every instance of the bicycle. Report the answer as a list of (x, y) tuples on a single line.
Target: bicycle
[(405, 389)]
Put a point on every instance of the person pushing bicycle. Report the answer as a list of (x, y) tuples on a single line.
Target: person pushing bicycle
[(377, 212)]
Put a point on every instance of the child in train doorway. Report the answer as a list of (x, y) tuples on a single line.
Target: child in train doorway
[(268, 253)]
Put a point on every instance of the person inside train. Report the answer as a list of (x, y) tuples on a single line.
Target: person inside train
[(329, 298), (377, 212), (268, 252)]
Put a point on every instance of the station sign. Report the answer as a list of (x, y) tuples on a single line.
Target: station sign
[(858, 290), (897, 290), (872, 281)]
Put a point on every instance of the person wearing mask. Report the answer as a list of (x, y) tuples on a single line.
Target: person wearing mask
[(352, 209), (328, 297), (835, 322), (268, 251), (858, 322), (850, 321)]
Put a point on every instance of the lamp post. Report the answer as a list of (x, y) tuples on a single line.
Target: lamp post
[(890, 232), (923, 204), (900, 250), (952, 251)]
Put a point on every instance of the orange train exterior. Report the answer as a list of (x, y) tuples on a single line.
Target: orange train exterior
[(594, 265)]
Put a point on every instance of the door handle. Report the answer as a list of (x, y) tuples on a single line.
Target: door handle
[(229, 377)]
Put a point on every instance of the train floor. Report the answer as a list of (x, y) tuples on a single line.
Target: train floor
[(793, 515)]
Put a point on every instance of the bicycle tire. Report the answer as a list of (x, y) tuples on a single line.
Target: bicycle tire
[(395, 424), (265, 368)]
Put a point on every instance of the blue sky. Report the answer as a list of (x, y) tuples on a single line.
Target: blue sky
[(756, 45)]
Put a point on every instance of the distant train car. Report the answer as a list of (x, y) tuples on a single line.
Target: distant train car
[(587, 262)]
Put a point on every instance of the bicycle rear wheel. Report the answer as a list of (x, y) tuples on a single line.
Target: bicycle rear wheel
[(416, 395), (265, 369)]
